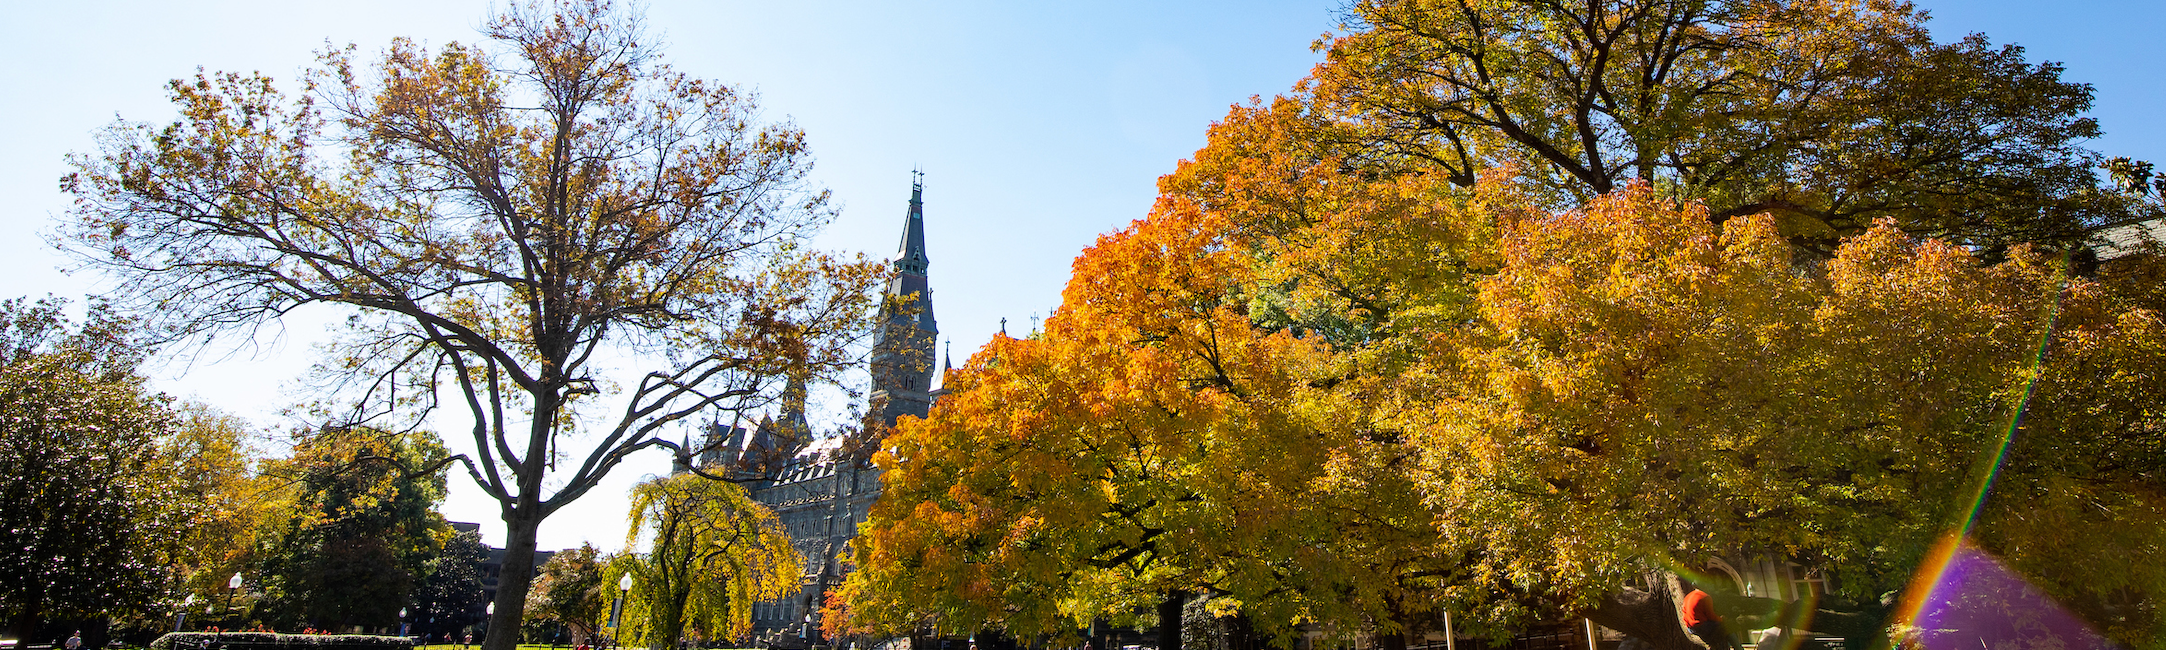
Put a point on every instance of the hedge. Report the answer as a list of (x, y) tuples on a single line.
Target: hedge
[(271, 641)]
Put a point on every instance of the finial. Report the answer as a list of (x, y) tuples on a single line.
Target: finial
[(917, 177), (1003, 326), (1034, 322)]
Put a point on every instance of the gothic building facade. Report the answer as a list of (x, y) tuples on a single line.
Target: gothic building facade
[(822, 487)]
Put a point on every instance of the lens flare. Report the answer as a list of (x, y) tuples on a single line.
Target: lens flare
[(1962, 597), (1975, 601)]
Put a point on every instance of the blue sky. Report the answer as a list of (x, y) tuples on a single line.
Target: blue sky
[(1039, 126)]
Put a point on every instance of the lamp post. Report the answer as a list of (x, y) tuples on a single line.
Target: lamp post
[(232, 585), (182, 618), (402, 621), (616, 609)]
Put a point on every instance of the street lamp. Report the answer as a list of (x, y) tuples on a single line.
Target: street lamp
[(402, 621), (232, 585), (616, 609)]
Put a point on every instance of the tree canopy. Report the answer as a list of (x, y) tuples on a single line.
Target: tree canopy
[(360, 532), (1828, 114), (88, 523), (449, 598), (570, 591), (712, 553), (1340, 376), (494, 219)]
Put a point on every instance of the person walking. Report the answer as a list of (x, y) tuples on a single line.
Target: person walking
[(1700, 617)]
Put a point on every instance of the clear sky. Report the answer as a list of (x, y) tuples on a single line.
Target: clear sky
[(1039, 126)]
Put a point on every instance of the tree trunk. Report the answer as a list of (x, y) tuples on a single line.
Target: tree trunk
[(1397, 639), (520, 526), (1240, 635), (25, 626), (1169, 620), (1650, 616)]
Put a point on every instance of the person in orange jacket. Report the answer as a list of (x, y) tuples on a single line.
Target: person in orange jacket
[(1700, 617)]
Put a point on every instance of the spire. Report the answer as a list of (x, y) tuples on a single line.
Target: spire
[(910, 256), (793, 407), (947, 357), (677, 463), (903, 351)]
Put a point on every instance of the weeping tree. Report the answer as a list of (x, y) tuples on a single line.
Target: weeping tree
[(493, 220), (714, 552)]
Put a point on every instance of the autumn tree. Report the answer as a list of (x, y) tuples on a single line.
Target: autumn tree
[(493, 219), (1163, 439), (1829, 114), (212, 458), (361, 531), (570, 591), (211, 461), (1585, 398), (713, 553)]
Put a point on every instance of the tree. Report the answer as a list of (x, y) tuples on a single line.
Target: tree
[(492, 221), (447, 601), (87, 518), (1155, 442), (570, 591), (361, 531), (211, 461), (714, 553), (1584, 400), (1829, 114)]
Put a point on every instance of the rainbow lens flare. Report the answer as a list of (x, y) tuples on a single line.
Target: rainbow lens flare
[(1962, 598), (1974, 602)]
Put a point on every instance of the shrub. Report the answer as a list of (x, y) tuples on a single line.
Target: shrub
[(272, 641)]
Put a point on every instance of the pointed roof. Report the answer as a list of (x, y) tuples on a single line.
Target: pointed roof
[(793, 406), (910, 255)]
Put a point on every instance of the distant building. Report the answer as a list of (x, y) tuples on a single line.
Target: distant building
[(2129, 239), (492, 568), (822, 487)]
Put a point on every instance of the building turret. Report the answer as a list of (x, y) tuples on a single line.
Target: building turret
[(902, 349)]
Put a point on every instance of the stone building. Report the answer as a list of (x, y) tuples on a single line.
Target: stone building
[(821, 487)]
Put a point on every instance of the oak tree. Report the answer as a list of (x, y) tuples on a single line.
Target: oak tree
[(1829, 114), (496, 220)]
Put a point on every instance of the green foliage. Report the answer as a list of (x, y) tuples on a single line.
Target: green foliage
[(270, 641), (714, 553), (91, 522), (571, 591), (449, 597), (361, 529)]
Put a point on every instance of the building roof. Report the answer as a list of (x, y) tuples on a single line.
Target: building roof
[(2128, 239)]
